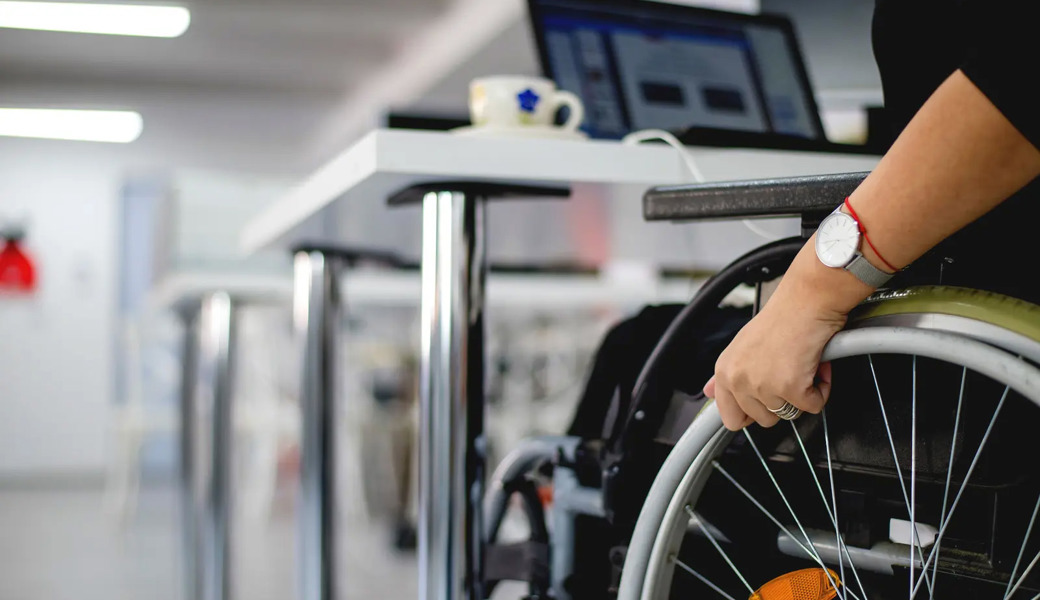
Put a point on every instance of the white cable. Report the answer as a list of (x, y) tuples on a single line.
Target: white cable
[(645, 135), (759, 231)]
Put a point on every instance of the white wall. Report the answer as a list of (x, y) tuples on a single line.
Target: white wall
[(56, 349), (209, 209), (835, 39)]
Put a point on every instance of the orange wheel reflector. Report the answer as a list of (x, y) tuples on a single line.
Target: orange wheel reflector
[(806, 584)]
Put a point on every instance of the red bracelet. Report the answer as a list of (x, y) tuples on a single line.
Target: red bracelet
[(863, 231)]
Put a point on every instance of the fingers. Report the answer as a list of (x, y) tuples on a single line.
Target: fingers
[(709, 388), (739, 411), (777, 402), (757, 410), (733, 417), (813, 401), (824, 378), (813, 398), (739, 405)]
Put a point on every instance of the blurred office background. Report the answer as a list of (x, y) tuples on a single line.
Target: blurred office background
[(255, 95)]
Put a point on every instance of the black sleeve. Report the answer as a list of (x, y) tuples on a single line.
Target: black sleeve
[(1002, 59)]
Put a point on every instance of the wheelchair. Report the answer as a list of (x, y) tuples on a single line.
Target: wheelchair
[(916, 481)]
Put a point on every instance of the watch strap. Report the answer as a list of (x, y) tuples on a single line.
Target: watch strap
[(866, 272)]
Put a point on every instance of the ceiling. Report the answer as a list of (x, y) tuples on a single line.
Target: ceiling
[(303, 46), (248, 85)]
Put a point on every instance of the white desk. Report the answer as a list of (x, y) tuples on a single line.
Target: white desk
[(332, 203), (344, 203), (345, 200), (183, 290)]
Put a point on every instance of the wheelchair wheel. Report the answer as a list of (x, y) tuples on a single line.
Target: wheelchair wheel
[(918, 480)]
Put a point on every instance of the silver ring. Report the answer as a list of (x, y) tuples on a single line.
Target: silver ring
[(787, 412)]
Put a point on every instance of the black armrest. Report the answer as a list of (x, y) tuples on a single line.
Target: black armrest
[(786, 197)]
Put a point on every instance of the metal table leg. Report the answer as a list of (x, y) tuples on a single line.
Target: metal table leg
[(452, 452), (216, 338), (315, 314), (189, 516), (206, 439)]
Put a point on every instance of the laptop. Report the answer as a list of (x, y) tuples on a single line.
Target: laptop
[(711, 77)]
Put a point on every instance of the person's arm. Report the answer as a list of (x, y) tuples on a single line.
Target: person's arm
[(957, 159)]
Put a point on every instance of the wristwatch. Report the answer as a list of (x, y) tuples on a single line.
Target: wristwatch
[(837, 245)]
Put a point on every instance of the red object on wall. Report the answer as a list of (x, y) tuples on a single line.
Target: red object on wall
[(17, 273)]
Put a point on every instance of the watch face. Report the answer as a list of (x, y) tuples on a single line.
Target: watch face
[(837, 240)]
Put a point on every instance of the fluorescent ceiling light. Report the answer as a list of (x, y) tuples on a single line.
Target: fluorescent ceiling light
[(120, 126), (112, 19)]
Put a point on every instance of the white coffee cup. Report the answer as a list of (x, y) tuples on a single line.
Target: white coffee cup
[(519, 101)]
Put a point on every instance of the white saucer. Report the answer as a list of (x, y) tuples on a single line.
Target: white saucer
[(527, 131)]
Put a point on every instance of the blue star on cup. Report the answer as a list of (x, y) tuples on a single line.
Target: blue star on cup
[(528, 100)]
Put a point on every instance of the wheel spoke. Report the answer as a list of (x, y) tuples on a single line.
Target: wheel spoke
[(834, 505), (1025, 573), (964, 485), (790, 509), (833, 515), (949, 467), (915, 540), (715, 543), (813, 555), (1022, 550), (702, 578), (833, 512), (899, 470)]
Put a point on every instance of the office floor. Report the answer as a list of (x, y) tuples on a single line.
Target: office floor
[(58, 544)]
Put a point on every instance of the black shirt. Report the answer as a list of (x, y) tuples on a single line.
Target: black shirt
[(917, 45)]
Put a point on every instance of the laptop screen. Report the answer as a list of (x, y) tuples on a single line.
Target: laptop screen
[(639, 65)]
